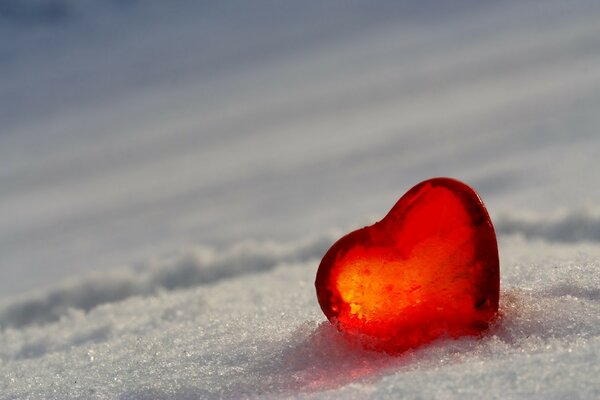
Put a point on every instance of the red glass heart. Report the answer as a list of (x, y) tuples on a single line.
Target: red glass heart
[(429, 268)]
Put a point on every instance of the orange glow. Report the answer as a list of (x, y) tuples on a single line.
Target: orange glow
[(429, 268)]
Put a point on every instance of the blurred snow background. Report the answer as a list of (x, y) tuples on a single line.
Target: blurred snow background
[(172, 172)]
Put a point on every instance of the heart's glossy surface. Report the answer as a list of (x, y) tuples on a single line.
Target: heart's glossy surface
[(429, 268)]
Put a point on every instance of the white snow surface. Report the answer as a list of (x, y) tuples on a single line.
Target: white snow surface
[(171, 174)]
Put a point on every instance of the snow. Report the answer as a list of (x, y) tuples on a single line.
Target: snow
[(171, 176), (261, 334)]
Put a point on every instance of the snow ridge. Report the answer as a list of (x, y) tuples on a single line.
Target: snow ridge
[(194, 267), (570, 226)]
